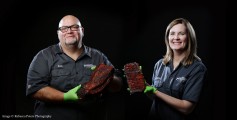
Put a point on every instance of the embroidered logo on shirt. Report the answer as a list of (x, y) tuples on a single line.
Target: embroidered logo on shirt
[(180, 80), (60, 66), (89, 66)]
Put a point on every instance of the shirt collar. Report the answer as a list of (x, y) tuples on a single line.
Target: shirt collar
[(86, 50)]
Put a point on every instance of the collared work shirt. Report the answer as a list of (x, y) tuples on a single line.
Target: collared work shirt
[(51, 67), (184, 82)]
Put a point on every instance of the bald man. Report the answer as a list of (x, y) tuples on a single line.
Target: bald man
[(57, 72)]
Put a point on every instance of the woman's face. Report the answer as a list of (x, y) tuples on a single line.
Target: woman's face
[(178, 37)]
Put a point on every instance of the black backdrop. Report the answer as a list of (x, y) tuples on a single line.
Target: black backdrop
[(126, 31)]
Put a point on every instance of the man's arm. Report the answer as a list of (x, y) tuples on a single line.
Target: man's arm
[(49, 94)]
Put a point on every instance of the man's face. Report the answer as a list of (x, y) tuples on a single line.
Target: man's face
[(70, 32)]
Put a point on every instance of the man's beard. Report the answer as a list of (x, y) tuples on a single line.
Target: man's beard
[(71, 42)]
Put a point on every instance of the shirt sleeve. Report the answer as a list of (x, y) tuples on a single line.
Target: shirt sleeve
[(195, 83), (106, 60), (38, 73), (156, 77)]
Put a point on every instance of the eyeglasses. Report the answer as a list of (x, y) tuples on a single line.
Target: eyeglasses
[(64, 29)]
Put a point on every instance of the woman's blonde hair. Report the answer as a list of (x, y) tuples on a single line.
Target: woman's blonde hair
[(191, 48)]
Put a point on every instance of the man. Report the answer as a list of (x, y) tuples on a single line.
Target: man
[(57, 72)]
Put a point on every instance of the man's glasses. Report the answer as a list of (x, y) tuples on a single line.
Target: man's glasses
[(64, 29)]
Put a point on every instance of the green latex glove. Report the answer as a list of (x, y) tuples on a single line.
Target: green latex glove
[(93, 67), (71, 95), (150, 89), (128, 89)]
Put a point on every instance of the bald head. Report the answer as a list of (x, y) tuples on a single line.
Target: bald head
[(69, 20)]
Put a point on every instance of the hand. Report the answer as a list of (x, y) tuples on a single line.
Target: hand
[(71, 95), (93, 68), (150, 89), (128, 89)]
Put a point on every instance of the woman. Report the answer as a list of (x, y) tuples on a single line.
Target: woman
[(178, 77)]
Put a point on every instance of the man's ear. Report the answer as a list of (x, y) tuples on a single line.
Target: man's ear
[(82, 31)]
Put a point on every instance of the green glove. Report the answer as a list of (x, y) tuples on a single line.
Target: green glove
[(128, 89), (71, 95), (93, 67), (150, 89)]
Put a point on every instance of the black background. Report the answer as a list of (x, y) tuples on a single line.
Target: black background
[(126, 31)]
